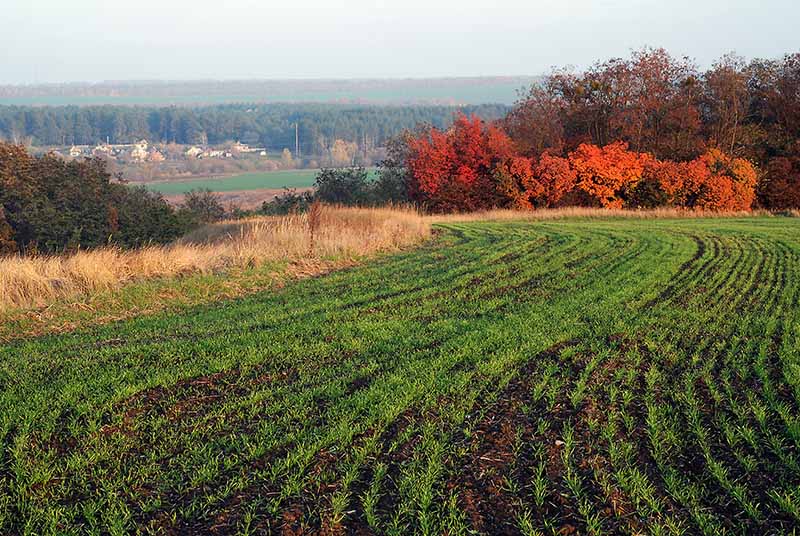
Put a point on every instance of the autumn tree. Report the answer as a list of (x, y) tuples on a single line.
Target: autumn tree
[(658, 186), (515, 184), (726, 103), (781, 188), (457, 169), (733, 182), (607, 174), (557, 181), (660, 115), (342, 153), (7, 243), (774, 87), (649, 101), (666, 182), (536, 122), (287, 162)]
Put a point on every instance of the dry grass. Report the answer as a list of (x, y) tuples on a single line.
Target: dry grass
[(590, 213), (340, 233)]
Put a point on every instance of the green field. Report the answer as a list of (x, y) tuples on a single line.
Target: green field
[(299, 178), (572, 377)]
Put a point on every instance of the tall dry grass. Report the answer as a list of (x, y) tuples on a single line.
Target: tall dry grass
[(343, 234)]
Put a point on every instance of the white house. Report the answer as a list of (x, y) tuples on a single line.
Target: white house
[(139, 151), (194, 152)]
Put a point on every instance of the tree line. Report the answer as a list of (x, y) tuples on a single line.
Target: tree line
[(266, 125), (644, 131)]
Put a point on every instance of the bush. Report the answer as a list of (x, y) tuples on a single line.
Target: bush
[(144, 217), (344, 186), (289, 202), (202, 206)]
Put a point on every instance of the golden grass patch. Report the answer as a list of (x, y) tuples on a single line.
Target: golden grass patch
[(341, 233)]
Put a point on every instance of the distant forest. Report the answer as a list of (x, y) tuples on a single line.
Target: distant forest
[(409, 91), (267, 125)]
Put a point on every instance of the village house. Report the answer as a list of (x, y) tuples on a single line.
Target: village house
[(194, 152), (139, 151), (104, 150), (77, 150), (215, 153), (239, 147)]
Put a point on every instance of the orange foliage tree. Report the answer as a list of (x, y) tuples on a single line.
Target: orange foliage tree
[(732, 183), (714, 181), (516, 185), (555, 180), (607, 173)]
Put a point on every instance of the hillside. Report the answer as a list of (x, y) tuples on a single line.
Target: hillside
[(566, 376)]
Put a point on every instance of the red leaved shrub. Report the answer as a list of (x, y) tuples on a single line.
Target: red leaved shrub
[(471, 166), (475, 166)]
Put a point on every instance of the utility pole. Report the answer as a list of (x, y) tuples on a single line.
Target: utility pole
[(296, 141)]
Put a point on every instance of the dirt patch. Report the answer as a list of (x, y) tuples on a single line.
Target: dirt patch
[(502, 455)]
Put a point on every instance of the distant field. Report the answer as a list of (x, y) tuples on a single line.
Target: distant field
[(479, 90), (565, 377), (301, 178)]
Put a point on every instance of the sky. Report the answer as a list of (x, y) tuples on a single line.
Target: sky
[(44, 41)]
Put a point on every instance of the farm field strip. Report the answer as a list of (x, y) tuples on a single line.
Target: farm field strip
[(267, 180), (605, 376), (300, 178)]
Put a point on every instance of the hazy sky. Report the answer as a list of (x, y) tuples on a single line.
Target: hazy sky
[(92, 40)]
